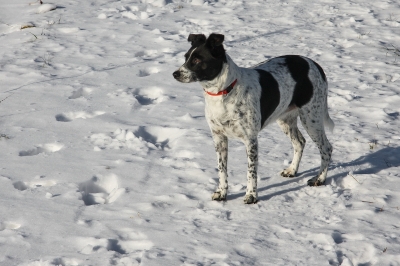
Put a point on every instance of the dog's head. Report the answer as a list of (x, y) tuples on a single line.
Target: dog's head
[(204, 60)]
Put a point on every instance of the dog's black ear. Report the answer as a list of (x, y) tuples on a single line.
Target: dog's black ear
[(215, 40), (197, 39), (214, 44)]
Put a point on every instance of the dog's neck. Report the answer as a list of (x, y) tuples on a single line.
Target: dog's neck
[(229, 73)]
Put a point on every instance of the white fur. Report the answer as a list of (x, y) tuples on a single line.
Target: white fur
[(237, 115)]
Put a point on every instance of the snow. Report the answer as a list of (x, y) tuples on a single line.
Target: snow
[(107, 160), (46, 8)]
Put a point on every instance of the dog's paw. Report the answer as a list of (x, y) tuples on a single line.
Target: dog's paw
[(250, 199), (218, 196), (288, 172), (314, 182)]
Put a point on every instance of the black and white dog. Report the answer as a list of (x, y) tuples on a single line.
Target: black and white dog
[(239, 102)]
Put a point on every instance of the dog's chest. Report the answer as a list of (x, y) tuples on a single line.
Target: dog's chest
[(231, 118)]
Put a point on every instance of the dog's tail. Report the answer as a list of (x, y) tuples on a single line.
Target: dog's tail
[(328, 123)]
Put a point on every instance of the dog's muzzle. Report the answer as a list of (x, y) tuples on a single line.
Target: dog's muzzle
[(184, 75), (176, 74)]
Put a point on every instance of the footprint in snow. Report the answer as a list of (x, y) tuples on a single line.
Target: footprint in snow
[(82, 92), (148, 71), (135, 15), (337, 237), (45, 148), (38, 182), (89, 245), (70, 116), (100, 190), (142, 139), (12, 239), (141, 97), (147, 54), (20, 185), (128, 241), (149, 96), (43, 8), (62, 261), (9, 225), (161, 137), (69, 30)]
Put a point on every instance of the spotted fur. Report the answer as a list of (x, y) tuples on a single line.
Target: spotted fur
[(280, 89)]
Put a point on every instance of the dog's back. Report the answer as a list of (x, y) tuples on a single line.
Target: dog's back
[(301, 82)]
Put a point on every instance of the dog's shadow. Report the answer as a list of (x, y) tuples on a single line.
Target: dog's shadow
[(382, 159), (269, 196)]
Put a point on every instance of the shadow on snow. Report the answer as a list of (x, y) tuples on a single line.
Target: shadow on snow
[(372, 163)]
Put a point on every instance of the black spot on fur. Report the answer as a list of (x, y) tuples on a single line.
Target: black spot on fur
[(270, 95), (299, 68)]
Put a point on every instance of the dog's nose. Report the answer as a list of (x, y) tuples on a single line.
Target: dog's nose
[(176, 74)]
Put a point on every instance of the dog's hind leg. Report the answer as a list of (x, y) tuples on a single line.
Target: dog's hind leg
[(288, 124), (314, 125), (221, 147)]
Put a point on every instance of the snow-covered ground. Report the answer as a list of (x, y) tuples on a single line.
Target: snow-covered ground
[(107, 160)]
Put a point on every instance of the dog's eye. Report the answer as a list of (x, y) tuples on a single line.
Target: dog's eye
[(195, 61)]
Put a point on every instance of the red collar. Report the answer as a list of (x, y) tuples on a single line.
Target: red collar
[(224, 92)]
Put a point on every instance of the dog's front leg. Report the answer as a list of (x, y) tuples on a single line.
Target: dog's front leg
[(252, 159), (221, 147)]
